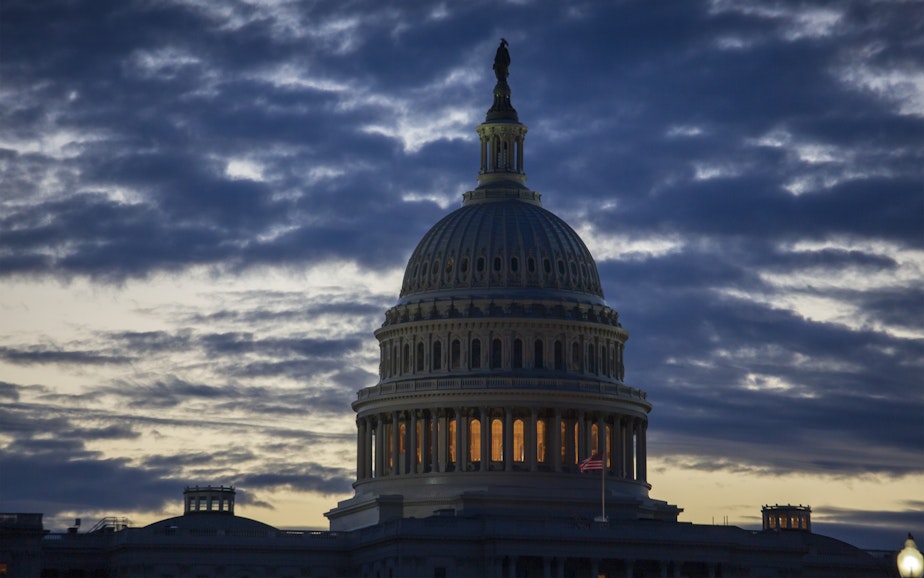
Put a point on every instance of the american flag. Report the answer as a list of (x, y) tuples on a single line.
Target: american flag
[(594, 462)]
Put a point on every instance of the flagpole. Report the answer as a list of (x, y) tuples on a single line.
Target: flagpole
[(603, 481)]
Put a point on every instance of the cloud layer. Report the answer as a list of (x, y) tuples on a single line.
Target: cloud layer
[(206, 208)]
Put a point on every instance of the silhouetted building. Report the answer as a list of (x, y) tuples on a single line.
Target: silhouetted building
[(501, 383)]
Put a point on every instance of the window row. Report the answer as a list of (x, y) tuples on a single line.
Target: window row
[(433, 273), (597, 358)]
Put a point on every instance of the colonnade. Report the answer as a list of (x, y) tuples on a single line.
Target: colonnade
[(480, 439)]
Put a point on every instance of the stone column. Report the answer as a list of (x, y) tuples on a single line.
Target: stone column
[(641, 446), (511, 565), (370, 445), (556, 441), (569, 443), (461, 450), (532, 440), (434, 440), (485, 450), (560, 567), (601, 439), (508, 439), (412, 443), (627, 448), (360, 448), (546, 567), (582, 436), (629, 569), (379, 447), (443, 454), (395, 443)]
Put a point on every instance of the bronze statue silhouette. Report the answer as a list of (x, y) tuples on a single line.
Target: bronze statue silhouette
[(502, 61)]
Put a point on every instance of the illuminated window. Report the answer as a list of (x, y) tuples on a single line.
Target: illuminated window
[(452, 440), (497, 440), (540, 441), (474, 440), (594, 442), (402, 437), (564, 441), (519, 443), (390, 443), (577, 445), (420, 441), (476, 353)]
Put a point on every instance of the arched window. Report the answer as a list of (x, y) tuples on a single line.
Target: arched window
[(497, 350), (456, 354), (514, 264), (479, 265), (497, 263), (474, 440), (420, 441), (402, 436), (497, 440), (538, 361), (559, 356), (540, 441), (531, 265), (564, 440), (519, 441), (476, 354), (576, 364), (517, 354), (437, 361), (420, 356), (452, 441), (595, 438), (389, 447)]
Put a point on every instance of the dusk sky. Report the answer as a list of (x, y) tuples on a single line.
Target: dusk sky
[(206, 208)]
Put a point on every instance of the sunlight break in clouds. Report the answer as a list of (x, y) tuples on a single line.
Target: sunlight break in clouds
[(824, 294), (608, 246)]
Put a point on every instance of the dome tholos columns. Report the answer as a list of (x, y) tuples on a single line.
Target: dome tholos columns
[(501, 366)]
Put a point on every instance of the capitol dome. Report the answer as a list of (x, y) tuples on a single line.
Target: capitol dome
[(501, 374), (491, 246)]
